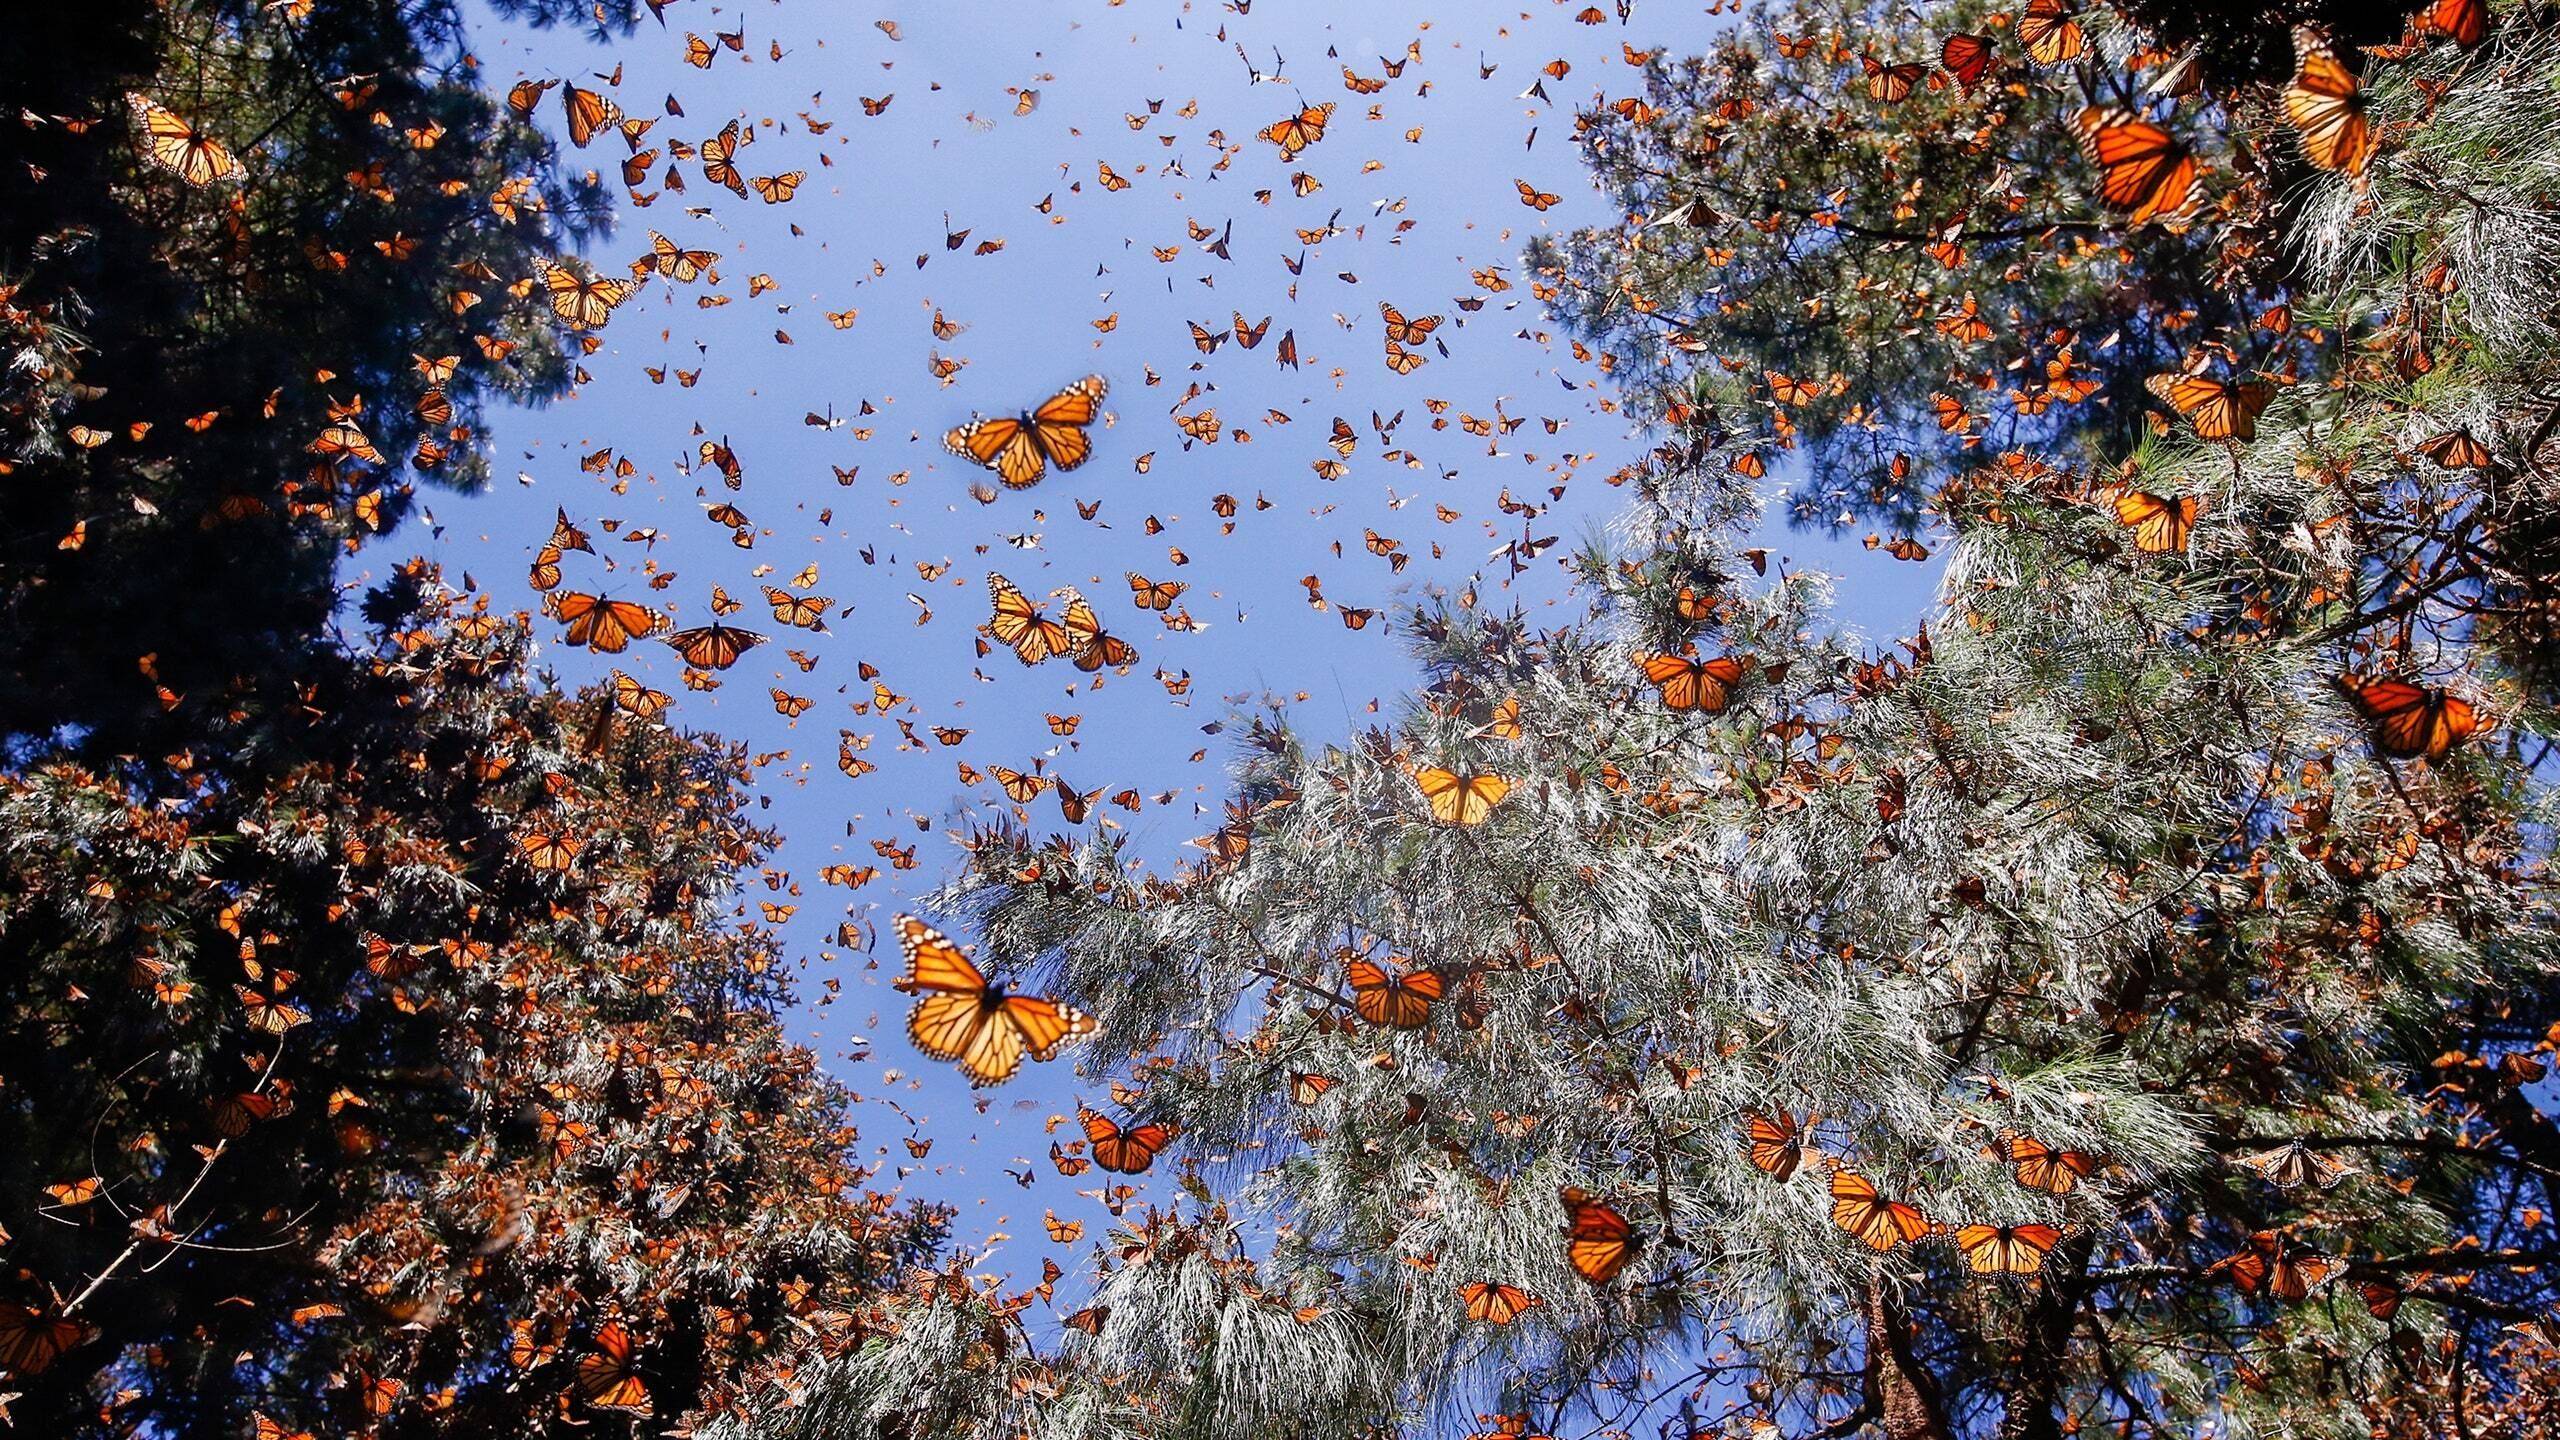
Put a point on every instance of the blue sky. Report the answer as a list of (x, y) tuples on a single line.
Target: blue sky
[(1428, 195)]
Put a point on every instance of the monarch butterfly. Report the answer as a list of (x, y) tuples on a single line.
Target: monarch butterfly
[(524, 95), (2294, 1165), (1250, 336), (1598, 1240), (677, 263), (1496, 1304), (719, 156), (1787, 390), (1307, 1089), (715, 646), (1123, 1150), (1298, 131), (2412, 719), (2268, 1264), (606, 1377), (2049, 31), (808, 612), (582, 301), (2039, 1166), (588, 113), (1537, 199), (602, 624), (1967, 57), (1875, 1222), (2455, 449), (962, 1017), (1403, 361), (1890, 84), (1018, 623), (2159, 526), (1688, 683), (1154, 594), (2322, 102), (32, 1339), (1773, 1143), (638, 699), (1401, 331), (270, 1014), (343, 438), (266, 1428), (1020, 788), (1088, 644), (1458, 798), (777, 188), (2144, 171), (548, 849), (2463, 22), (1019, 449), (2219, 409), (2007, 1249), (169, 142), (1398, 1001)]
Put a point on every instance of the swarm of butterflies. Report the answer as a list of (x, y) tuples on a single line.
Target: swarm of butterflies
[(2146, 173)]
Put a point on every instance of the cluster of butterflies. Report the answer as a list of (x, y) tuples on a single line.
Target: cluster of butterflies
[(1599, 1240), (2152, 175)]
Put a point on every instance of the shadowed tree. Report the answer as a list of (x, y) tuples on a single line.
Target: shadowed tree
[(381, 1077), (235, 342)]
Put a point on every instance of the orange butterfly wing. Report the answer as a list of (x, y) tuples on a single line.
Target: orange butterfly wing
[(606, 1379), (1598, 1240)]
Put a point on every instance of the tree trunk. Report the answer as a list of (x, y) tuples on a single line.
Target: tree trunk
[(1898, 1390)]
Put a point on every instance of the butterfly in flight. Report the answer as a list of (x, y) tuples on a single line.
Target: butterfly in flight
[(2039, 1166), (178, 147), (2219, 409), (1774, 1144), (1125, 1150), (2285, 1271), (1088, 644), (2050, 31), (2144, 170), (1298, 131), (2325, 106), (1021, 448), (1021, 624), (583, 302), (961, 1016)]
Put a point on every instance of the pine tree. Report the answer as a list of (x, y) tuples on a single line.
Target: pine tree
[(222, 371), (379, 1076), (2187, 980)]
